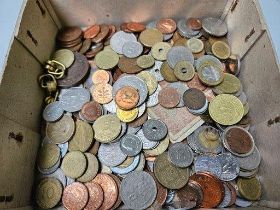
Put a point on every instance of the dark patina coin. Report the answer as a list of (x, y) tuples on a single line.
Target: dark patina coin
[(131, 145), (91, 111), (194, 99), (154, 130)]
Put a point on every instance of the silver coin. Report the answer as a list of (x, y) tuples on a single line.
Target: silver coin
[(214, 26), (111, 107), (248, 174), (135, 82), (123, 131), (184, 30), (74, 99), (58, 174), (131, 145), (63, 148), (141, 164), (129, 168), (166, 37), (170, 196), (118, 40), (208, 163), (153, 99), (138, 190), (192, 143), (69, 180), (111, 154), (210, 73), (250, 162), (132, 49), (141, 110), (179, 53), (89, 83), (243, 98), (105, 169), (199, 111), (242, 202), (208, 59), (181, 155), (155, 70), (152, 24), (132, 130), (147, 144), (181, 89), (53, 112), (154, 130), (230, 167), (227, 197), (50, 170)]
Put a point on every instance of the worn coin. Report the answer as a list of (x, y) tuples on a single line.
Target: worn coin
[(150, 81), (129, 65), (179, 53), (154, 130), (160, 50), (230, 85), (118, 40), (127, 97), (195, 45), (64, 56), (100, 76), (147, 144), (250, 162), (206, 163), (92, 168), (106, 59), (230, 167), (153, 99), (166, 25), (91, 111), (131, 145), (194, 99), (102, 93), (96, 196), (150, 36), (156, 70), (132, 49), (185, 31), (127, 115), (210, 75), (169, 97), (49, 155), (123, 171), (167, 72), (184, 71), (249, 189), (221, 50), (161, 147), (208, 60), (53, 112), (180, 155), (102, 35), (74, 164), (214, 26), (145, 61)]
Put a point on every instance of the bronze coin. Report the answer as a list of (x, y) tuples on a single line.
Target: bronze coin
[(168, 97), (96, 196), (127, 98), (85, 46), (194, 23), (69, 34), (102, 35), (75, 196), (212, 187), (139, 121), (70, 44), (195, 83), (194, 99), (94, 149), (118, 182), (75, 48), (76, 72), (94, 50), (166, 25), (117, 74), (176, 36), (110, 190), (129, 65), (91, 31), (125, 28), (112, 30), (135, 27), (91, 111), (161, 192)]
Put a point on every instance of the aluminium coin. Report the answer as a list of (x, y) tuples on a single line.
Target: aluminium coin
[(132, 49), (147, 144), (154, 130), (179, 53), (53, 112), (122, 171), (214, 26), (119, 39), (206, 163), (180, 155), (131, 145), (230, 166)]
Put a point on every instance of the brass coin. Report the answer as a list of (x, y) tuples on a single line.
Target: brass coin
[(169, 175), (145, 61), (210, 75), (230, 85), (184, 71), (49, 155), (150, 36), (181, 42), (213, 39), (92, 168), (221, 50), (196, 45), (226, 109), (102, 93), (161, 148), (106, 128), (48, 193), (160, 50), (82, 138), (129, 65), (74, 164), (106, 59), (150, 81), (64, 56), (250, 188), (167, 73), (127, 98), (127, 115)]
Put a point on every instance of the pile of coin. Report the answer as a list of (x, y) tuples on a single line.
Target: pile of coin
[(147, 117)]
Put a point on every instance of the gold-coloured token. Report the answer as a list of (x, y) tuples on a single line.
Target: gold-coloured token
[(48, 193), (145, 61), (92, 168), (250, 188), (150, 36), (150, 81), (128, 161), (210, 75), (246, 108), (184, 71), (195, 45), (106, 59), (181, 42), (160, 50), (168, 73), (226, 109), (64, 56), (161, 148), (230, 85), (221, 50), (127, 115), (82, 138), (49, 155)]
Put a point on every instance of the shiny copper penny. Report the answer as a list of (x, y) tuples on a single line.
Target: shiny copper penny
[(69, 34), (212, 187), (96, 196), (169, 97), (161, 192), (75, 196), (110, 190), (135, 27), (91, 31), (194, 23), (139, 121), (127, 98), (118, 182), (195, 83), (166, 25), (125, 28), (104, 32), (91, 111), (129, 65), (94, 149)]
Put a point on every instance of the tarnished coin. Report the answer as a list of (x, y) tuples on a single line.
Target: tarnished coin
[(214, 26), (180, 155), (249, 189), (61, 131), (140, 120), (147, 144), (156, 70), (210, 75), (106, 59), (132, 49), (145, 61), (94, 50), (250, 162), (53, 112), (150, 36), (119, 200), (48, 193), (96, 196), (74, 98), (185, 31), (91, 31), (169, 97), (179, 53), (196, 45), (230, 167), (166, 25), (208, 60), (154, 130), (91, 111), (119, 39), (194, 99), (49, 155), (50, 170), (135, 26), (92, 168), (64, 56), (221, 50), (82, 138), (161, 148), (160, 50), (123, 171), (168, 73), (230, 85), (194, 23), (150, 81), (74, 164), (111, 154), (153, 99), (102, 93), (129, 65), (127, 98), (169, 175), (127, 115), (69, 34), (206, 163), (195, 83), (131, 145), (133, 186), (86, 46), (106, 128), (58, 174), (184, 71), (102, 35), (100, 76)]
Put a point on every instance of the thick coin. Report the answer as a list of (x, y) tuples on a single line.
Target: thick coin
[(145, 61), (131, 145), (150, 36), (91, 31), (206, 163), (196, 45), (91, 111), (167, 72), (250, 188), (230, 167), (169, 97), (74, 164), (184, 71), (102, 35), (221, 50), (86, 46), (166, 25), (194, 23), (61, 131), (100, 76), (150, 81), (154, 130), (132, 188), (129, 65), (135, 26), (214, 26), (106, 59), (132, 49), (179, 53), (160, 50), (127, 98), (96, 196), (210, 75), (102, 93), (92, 168), (119, 39), (147, 144), (159, 149), (49, 155), (230, 85), (180, 155), (69, 34), (53, 112), (194, 99), (64, 56), (127, 115)]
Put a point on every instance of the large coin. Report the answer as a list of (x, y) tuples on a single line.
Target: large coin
[(53, 112), (181, 155), (214, 26), (249, 188), (221, 50), (118, 40), (230, 85), (74, 164), (150, 36), (179, 53), (127, 98), (49, 155)]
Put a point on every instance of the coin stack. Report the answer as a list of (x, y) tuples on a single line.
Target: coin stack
[(148, 117)]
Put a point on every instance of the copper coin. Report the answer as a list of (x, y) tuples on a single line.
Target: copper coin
[(100, 76), (124, 28), (70, 44), (76, 72), (233, 193), (117, 74), (95, 196), (111, 31), (91, 31), (75, 48), (110, 190), (194, 23), (161, 192), (127, 98), (94, 50), (69, 34), (169, 97), (135, 27), (195, 83), (91, 111), (212, 187), (166, 26), (104, 32), (139, 121), (94, 149), (118, 182), (75, 196), (194, 99), (85, 46), (129, 65), (102, 93)]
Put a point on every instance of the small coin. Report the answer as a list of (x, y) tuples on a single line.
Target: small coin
[(230, 85), (145, 61), (64, 56), (95, 196), (230, 166), (166, 25), (147, 144), (206, 163), (91, 111), (127, 98), (100, 76), (102, 35), (250, 162), (102, 93), (194, 99), (53, 112), (119, 39), (127, 115), (129, 65), (180, 155), (154, 130), (250, 188), (214, 26), (135, 27), (74, 164), (184, 71), (91, 31), (132, 49), (106, 59), (69, 34), (92, 168), (196, 45), (150, 36), (221, 50), (194, 23), (168, 73), (179, 53), (210, 75), (150, 81), (49, 155), (131, 145), (159, 50), (243, 202), (169, 97), (159, 149)]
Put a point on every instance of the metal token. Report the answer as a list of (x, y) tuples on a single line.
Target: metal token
[(156, 71), (154, 130), (63, 148), (210, 75), (119, 39), (205, 163), (150, 36), (74, 164), (250, 162), (53, 112), (147, 144), (196, 45), (184, 29), (131, 145), (167, 73), (153, 99), (194, 99), (100, 76), (64, 56), (184, 71), (180, 155), (214, 26), (132, 49), (160, 50), (145, 61), (230, 166), (179, 53), (133, 186), (127, 98), (111, 154), (91, 111), (127, 169), (181, 89), (92, 168), (106, 59), (150, 81), (169, 97)]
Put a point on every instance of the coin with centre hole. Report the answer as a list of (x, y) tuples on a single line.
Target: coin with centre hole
[(169, 97), (150, 36), (119, 39), (160, 50), (181, 155), (184, 71), (145, 61), (179, 53), (74, 164), (132, 49), (53, 112), (154, 130)]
